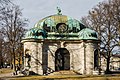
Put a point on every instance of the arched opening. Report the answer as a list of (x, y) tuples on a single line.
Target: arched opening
[(62, 59), (96, 59)]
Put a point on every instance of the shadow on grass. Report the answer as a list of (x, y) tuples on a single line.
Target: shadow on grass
[(68, 77), (112, 72)]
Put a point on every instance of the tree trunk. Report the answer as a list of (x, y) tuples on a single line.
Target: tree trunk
[(14, 66), (108, 65), (0, 54), (0, 61), (11, 61)]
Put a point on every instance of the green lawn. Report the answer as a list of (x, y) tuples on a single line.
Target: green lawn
[(61, 77)]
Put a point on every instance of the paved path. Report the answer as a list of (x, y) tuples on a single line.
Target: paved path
[(6, 76)]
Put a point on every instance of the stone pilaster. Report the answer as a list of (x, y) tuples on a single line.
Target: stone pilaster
[(76, 56), (40, 70), (51, 56), (34, 49), (89, 51)]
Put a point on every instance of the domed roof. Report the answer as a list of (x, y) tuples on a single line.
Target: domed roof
[(60, 26), (50, 23), (36, 33), (87, 34)]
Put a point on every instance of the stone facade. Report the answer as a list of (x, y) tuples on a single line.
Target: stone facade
[(43, 55), (59, 42)]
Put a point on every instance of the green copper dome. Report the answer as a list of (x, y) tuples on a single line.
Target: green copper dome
[(87, 34), (50, 23), (57, 27), (36, 33)]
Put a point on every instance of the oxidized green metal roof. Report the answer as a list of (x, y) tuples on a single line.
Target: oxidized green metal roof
[(87, 33), (53, 20), (60, 27), (36, 33)]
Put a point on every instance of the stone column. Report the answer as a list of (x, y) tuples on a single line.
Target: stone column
[(76, 56), (84, 58), (89, 51), (40, 50), (51, 57), (26, 51), (36, 58)]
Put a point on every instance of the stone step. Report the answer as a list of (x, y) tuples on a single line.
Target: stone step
[(65, 72), (97, 72)]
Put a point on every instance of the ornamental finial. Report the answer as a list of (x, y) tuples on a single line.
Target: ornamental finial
[(59, 11)]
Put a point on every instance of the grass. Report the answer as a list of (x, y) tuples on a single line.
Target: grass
[(5, 70), (69, 77), (60, 77)]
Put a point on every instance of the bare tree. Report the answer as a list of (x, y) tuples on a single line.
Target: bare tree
[(104, 18), (13, 27), (3, 4)]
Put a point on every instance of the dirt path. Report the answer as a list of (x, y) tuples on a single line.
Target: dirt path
[(6, 75)]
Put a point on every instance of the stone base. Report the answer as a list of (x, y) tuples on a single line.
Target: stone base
[(98, 73), (65, 72)]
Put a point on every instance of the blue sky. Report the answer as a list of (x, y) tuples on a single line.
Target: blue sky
[(34, 10)]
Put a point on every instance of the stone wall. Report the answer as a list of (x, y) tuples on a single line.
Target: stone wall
[(49, 49), (89, 52), (76, 56), (43, 56), (35, 51)]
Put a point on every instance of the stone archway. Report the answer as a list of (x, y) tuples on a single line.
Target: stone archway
[(96, 59), (62, 59)]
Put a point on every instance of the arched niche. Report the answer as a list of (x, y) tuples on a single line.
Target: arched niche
[(62, 59), (96, 59)]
